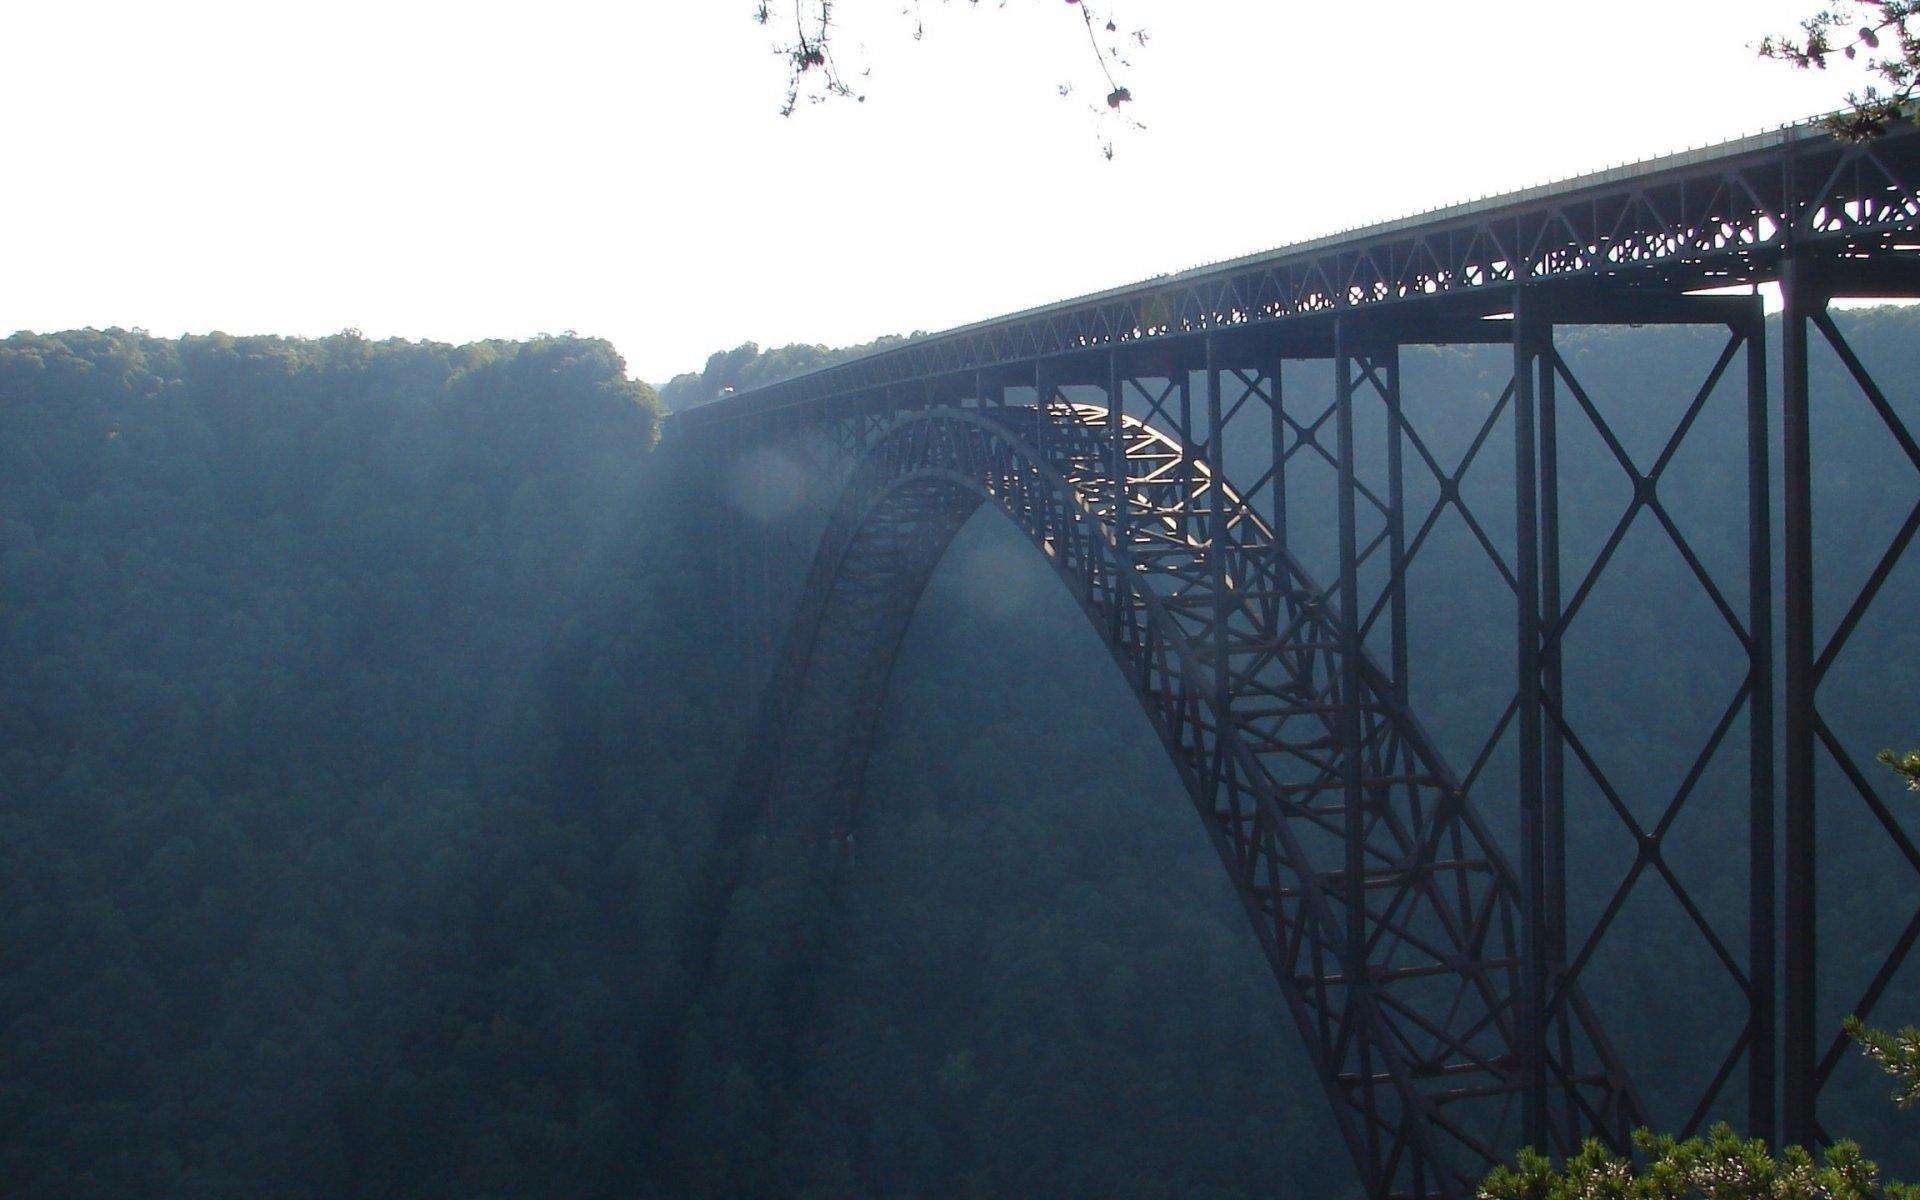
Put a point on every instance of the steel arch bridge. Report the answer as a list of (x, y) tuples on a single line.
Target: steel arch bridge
[(1433, 973)]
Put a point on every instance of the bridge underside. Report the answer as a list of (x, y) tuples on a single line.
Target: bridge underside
[(1389, 916)]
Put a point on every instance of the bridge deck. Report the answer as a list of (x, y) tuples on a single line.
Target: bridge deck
[(1722, 215)]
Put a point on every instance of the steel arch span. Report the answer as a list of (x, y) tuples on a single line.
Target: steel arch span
[(1439, 989), (1391, 920)]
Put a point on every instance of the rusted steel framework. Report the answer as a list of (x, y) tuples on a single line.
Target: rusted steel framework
[(1432, 967)]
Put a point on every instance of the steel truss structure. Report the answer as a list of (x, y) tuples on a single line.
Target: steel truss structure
[(1436, 977)]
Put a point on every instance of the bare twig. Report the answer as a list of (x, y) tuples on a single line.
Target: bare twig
[(815, 76)]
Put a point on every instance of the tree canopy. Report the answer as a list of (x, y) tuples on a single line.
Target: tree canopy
[(748, 366), (1878, 36)]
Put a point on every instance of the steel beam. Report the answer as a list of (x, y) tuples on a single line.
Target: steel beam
[(1705, 219), (1388, 363), (1530, 341), (1762, 945), (1354, 802), (1799, 1018)]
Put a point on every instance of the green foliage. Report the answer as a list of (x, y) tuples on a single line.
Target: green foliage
[(306, 874), (1722, 1165), (748, 366), (1906, 765), (1898, 1054), (1883, 36)]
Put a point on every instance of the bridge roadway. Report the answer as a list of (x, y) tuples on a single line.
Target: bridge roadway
[(1433, 975)]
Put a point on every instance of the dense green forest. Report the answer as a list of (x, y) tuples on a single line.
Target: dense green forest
[(748, 366), (366, 712)]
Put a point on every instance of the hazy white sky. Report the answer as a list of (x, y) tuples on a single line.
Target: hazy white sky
[(459, 170)]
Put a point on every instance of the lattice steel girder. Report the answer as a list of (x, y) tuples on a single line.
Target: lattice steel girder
[(1364, 362), (1387, 912), (1370, 883), (1544, 726), (1721, 216), (1258, 629)]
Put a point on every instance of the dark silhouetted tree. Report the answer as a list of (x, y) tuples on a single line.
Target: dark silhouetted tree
[(1880, 36)]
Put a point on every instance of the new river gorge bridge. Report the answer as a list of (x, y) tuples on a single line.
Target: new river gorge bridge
[(1153, 442)]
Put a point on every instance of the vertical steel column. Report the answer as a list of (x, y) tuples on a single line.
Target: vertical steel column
[(1277, 417), (1798, 1048), (1555, 1024), (1762, 967), (1387, 364), (1187, 444), (1553, 766), (1353, 814), (1217, 558), (1531, 1001), (1042, 394)]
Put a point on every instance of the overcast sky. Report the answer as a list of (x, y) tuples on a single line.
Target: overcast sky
[(475, 169)]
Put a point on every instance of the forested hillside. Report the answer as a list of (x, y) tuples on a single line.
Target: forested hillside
[(308, 886), (364, 720), (748, 366)]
